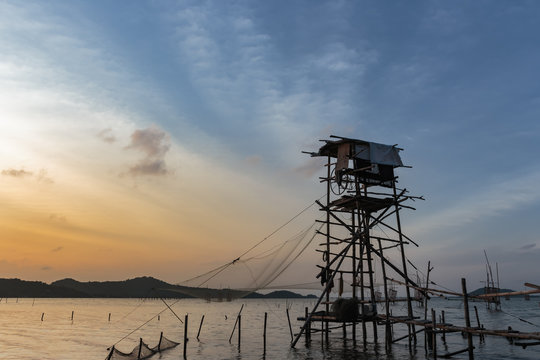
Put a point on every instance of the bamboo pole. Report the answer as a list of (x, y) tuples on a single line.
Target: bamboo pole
[(328, 189), (140, 348), (200, 326), (159, 343), (451, 328), (467, 319), (308, 325), (389, 263), (354, 274), (289, 321), (444, 322), (404, 262), (524, 292), (367, 240), (387, 330), (426, 288), (434, 334), (449, 355), (264, 333), (185, 335), (426, 334), (109, 357), (407, 336), (235, 323), (239, 331), (478, 321), (532, 285)]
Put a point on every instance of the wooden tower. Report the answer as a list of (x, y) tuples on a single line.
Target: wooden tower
[(362, 233)]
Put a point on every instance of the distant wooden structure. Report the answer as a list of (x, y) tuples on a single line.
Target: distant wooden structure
[(492, 302)]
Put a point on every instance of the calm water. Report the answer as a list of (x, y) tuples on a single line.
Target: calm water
[(24, 336)]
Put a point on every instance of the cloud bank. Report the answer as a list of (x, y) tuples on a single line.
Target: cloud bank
[(154, 144)]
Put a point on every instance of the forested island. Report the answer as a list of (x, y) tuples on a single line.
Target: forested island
[(140, 287)]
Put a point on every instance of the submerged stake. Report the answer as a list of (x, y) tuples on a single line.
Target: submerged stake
[(200, 326), (185, 335), (264, 333)]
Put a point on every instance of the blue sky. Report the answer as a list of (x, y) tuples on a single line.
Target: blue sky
[(238, 89)]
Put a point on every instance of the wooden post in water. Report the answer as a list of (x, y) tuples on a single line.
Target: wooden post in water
[(264, 334), (308, 327), (159, 343), (387, 330), (140, 348), (236, 322), (290, 327), (200, 326), (434, 334), (410, 314), (109, 357), (322, 331), (109, 317), (185, 336), (239, 330), (481, 336), (467, 319), (72, 312), (327, 302), (42, 315), (427, 287), (427, 334), (444, 331)]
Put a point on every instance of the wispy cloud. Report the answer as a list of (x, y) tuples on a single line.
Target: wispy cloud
[(57, 217), (253, 160), (19, 173), (277, 101), (495, 200), (41, 176), (106, 135), (310, 168), (154, 144)]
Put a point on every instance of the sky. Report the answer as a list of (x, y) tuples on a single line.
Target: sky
[(163, 138)]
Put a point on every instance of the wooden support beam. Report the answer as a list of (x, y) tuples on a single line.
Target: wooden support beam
[(532, 285), (449, 355), (396, 269), (524, 292)]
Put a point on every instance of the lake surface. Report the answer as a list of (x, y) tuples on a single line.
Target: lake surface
[(23, 335)]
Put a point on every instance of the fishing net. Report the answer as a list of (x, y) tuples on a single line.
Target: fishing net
[(269, 264), (142, 351), (165, 344)]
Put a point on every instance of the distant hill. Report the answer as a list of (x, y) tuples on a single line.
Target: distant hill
[(480, 291), (132, 288), (14, 288), (140, 287), (285, 294)]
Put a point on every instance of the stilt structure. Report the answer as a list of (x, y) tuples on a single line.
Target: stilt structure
[(494, 302), (362, 231)]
